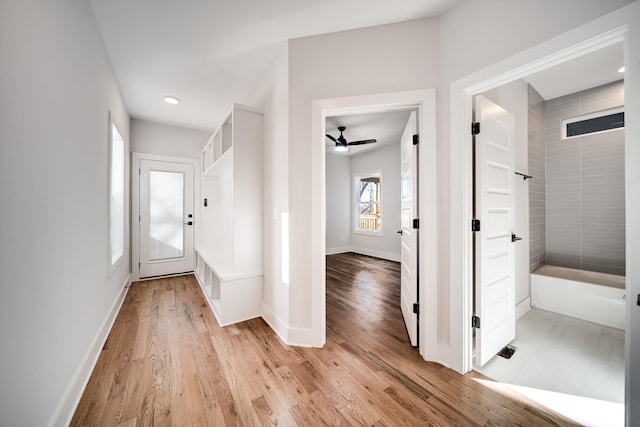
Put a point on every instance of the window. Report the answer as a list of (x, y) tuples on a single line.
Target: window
[(368, 206), (600, 121), (116, 235)]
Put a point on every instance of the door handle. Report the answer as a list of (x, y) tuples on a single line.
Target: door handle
[(399, 232), (515, 238), (188, 223)]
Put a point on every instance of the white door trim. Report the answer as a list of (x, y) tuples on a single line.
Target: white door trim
[(425, 103), (620, 25), (135, 203)]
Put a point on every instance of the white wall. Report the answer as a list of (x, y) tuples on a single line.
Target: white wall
[(386, 160), (167, 140), (56, 296), (271, 96), (338, 177), (340, 171), (513, 97), (381, 59)]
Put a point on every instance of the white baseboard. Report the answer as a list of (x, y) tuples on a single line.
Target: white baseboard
[(296, 337), (338, 250), (363, 251), (300, 337), (378, 254), (522, 307), (72, 396), (278, 325)]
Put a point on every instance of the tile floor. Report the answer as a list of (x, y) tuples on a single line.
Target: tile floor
[(563, 354)]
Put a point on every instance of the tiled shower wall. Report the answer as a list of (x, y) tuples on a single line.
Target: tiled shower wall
[(584, 186), (536, 148)]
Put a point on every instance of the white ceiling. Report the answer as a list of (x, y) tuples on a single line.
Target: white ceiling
[(385, 128), (585, 72), (210, 53)]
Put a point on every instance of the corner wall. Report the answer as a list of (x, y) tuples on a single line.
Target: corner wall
[(387, 160), (57, 298), (271, 96), (339, 203)]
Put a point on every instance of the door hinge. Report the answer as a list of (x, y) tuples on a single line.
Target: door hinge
[(475, 128), (475, 322), (139, 218), (475, 225), (416, 139), (416, 308), (139, 171), (138, 266), (416, 223)]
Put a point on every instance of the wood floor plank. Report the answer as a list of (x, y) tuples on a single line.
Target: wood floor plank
[(168, 362)]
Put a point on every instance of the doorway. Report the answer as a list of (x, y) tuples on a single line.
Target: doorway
[(372, 196), (560, 342), (475, 85), (163, 203), (423, 102)]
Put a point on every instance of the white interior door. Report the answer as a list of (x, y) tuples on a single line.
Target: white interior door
[(495, 202), (166, 218), (409, 235)]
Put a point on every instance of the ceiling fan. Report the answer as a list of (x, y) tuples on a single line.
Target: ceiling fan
[(342, 144)]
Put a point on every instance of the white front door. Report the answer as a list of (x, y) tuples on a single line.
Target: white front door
[(166, 218), (409, 235), (494, 207)]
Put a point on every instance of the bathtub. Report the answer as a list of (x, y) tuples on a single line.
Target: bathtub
[(587, 295)]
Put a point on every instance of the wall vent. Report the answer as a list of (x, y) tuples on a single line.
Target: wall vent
[(599, 121)]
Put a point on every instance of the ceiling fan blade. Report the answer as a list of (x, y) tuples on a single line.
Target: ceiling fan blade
[(331, 138), (364, 141)]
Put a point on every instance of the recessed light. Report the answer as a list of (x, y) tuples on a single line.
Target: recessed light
[(621, 69), (171, 100)]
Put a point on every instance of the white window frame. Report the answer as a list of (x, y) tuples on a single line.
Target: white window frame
[(595, 114), (117, 177), (356, 203)]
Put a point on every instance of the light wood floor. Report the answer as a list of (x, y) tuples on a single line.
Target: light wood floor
[(167, 362)]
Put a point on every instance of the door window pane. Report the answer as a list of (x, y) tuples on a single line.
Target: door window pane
[(166, 215)]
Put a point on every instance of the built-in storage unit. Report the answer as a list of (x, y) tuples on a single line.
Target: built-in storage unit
[(229, 247)]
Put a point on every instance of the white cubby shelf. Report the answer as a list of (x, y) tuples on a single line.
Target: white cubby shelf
[(229, 246)]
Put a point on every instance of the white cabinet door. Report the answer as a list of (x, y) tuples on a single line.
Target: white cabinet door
[(495, 202)]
